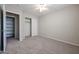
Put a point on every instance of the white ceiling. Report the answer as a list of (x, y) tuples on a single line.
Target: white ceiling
[(31, 8)]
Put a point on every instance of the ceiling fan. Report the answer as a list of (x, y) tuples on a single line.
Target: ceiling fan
[(41, 7)]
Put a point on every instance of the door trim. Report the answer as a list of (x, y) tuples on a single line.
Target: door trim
[(2, 35), (30, 27)]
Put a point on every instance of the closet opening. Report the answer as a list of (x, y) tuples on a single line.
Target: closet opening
[(12, 26), (28, 27)]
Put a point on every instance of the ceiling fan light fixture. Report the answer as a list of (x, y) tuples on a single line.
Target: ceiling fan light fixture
[(41, 7)]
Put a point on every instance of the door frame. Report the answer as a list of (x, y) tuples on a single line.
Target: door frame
[(15, 19), (30, 27), (27, 18), (2, 36), (4, 28)]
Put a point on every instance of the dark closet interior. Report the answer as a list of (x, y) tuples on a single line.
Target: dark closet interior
[(12, 26)]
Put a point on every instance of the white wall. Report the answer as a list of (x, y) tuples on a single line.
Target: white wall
[(22, 14), (62, 25)]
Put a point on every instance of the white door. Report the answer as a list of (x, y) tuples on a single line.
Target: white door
[(27, 27)]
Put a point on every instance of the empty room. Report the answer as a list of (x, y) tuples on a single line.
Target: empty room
[(40, 29)]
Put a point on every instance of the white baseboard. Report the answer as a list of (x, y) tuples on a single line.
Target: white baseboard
[(47, 36)]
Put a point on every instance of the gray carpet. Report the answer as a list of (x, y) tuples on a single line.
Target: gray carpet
[(39, 45)]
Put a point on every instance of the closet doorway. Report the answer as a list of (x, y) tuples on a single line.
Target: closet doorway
[(28, 27), (12, 26)]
